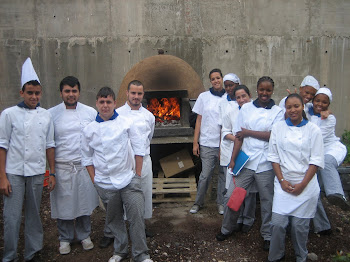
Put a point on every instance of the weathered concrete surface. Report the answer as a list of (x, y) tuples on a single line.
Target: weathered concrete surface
[(99, 42)]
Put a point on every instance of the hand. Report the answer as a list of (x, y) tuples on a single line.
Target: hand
[(5, 187), (196, 149), (243, 133), (298, 189), (231, 165), (52, 183), (295, 91), (325, 114), (286, 186), (239, 135)]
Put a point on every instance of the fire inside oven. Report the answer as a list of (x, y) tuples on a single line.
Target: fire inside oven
[(166, 111)]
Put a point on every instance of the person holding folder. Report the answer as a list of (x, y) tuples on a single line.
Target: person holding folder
[(252, 128)]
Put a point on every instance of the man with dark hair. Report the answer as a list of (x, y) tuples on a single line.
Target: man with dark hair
[(144, 120), (113, 153), (75, 197), (26, 136)]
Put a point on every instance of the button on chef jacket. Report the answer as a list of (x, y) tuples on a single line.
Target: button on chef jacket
[(26, 134), (110, 146), (207, 105), (257, 119)]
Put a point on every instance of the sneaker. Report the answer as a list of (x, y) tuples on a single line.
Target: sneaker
[(105, 242), (221, 236), (221, 209), (194, 209), (237, 227), (326, 232), (115, 258), (64, 248), (87, 244), (246, 229), (147, 260), (339, 200)]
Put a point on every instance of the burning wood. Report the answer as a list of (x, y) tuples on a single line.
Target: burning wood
[(166, 110)]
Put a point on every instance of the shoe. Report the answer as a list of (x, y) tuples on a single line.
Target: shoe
[(277, 260), (339, 200), (147, 260), (64, 248), (326, 232), (87, 244), (221, 209), (36, 258), (194, 209), (246, 228), (221, 236), (266, 245), (115, 258), (105, 242), (237, 227)]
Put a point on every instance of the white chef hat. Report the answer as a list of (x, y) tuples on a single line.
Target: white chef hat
[(326, 91), (232, 77), (28, 72), (310, 81)]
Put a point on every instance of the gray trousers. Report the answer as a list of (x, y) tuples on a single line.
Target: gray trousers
[(264, 184), (131, 197), (69, 229), (247, 213), (330, 178), (210, 157), (27, 190), (299, 234), (320, 220)]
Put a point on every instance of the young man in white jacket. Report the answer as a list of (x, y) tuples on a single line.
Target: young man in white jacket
[(112, 152), (74, 197)]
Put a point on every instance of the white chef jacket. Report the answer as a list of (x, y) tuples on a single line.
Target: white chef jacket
[(332, 144), (257, 119), (74, 194), (110, 146), (229, 113), (144, 121), (69, 124), (26, 134), (294, 149), (207, 105)]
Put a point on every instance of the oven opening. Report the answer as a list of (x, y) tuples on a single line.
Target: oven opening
[(166, 111)]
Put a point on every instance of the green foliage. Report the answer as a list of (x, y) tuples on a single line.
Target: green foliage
[(341, 257), (346, 141)]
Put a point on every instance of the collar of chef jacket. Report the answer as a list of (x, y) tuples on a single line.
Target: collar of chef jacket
[(269, 105), (302, 123), (99, 119), (22, 104)]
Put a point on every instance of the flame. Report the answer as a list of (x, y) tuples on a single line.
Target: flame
[(165, 109)]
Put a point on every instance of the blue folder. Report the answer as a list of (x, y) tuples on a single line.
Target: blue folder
[(241, 160)]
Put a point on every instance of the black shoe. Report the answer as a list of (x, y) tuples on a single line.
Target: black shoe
[(339, 200), (35, 258), (221, 236), (266, 245), (326, 232), (246, 228), (149, 233), (105, 242), (277, 260)]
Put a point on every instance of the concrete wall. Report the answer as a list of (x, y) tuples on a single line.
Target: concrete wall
[(99, 41)]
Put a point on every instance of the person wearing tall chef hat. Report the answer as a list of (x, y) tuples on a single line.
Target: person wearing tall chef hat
[(227, 107), (296, 152), (335, 151), (74, 197), (26, 141), (206, 139), (252, 128)]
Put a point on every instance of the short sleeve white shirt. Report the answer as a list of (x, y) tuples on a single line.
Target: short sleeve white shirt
[(207, 105)]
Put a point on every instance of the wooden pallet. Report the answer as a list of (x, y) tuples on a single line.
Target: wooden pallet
[(174, 189)]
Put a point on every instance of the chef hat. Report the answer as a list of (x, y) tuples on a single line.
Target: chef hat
[(28, 72), (310, 81), (232, 77), (326, 91)]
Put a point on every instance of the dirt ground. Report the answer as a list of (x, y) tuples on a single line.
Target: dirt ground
[(181, 236)]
